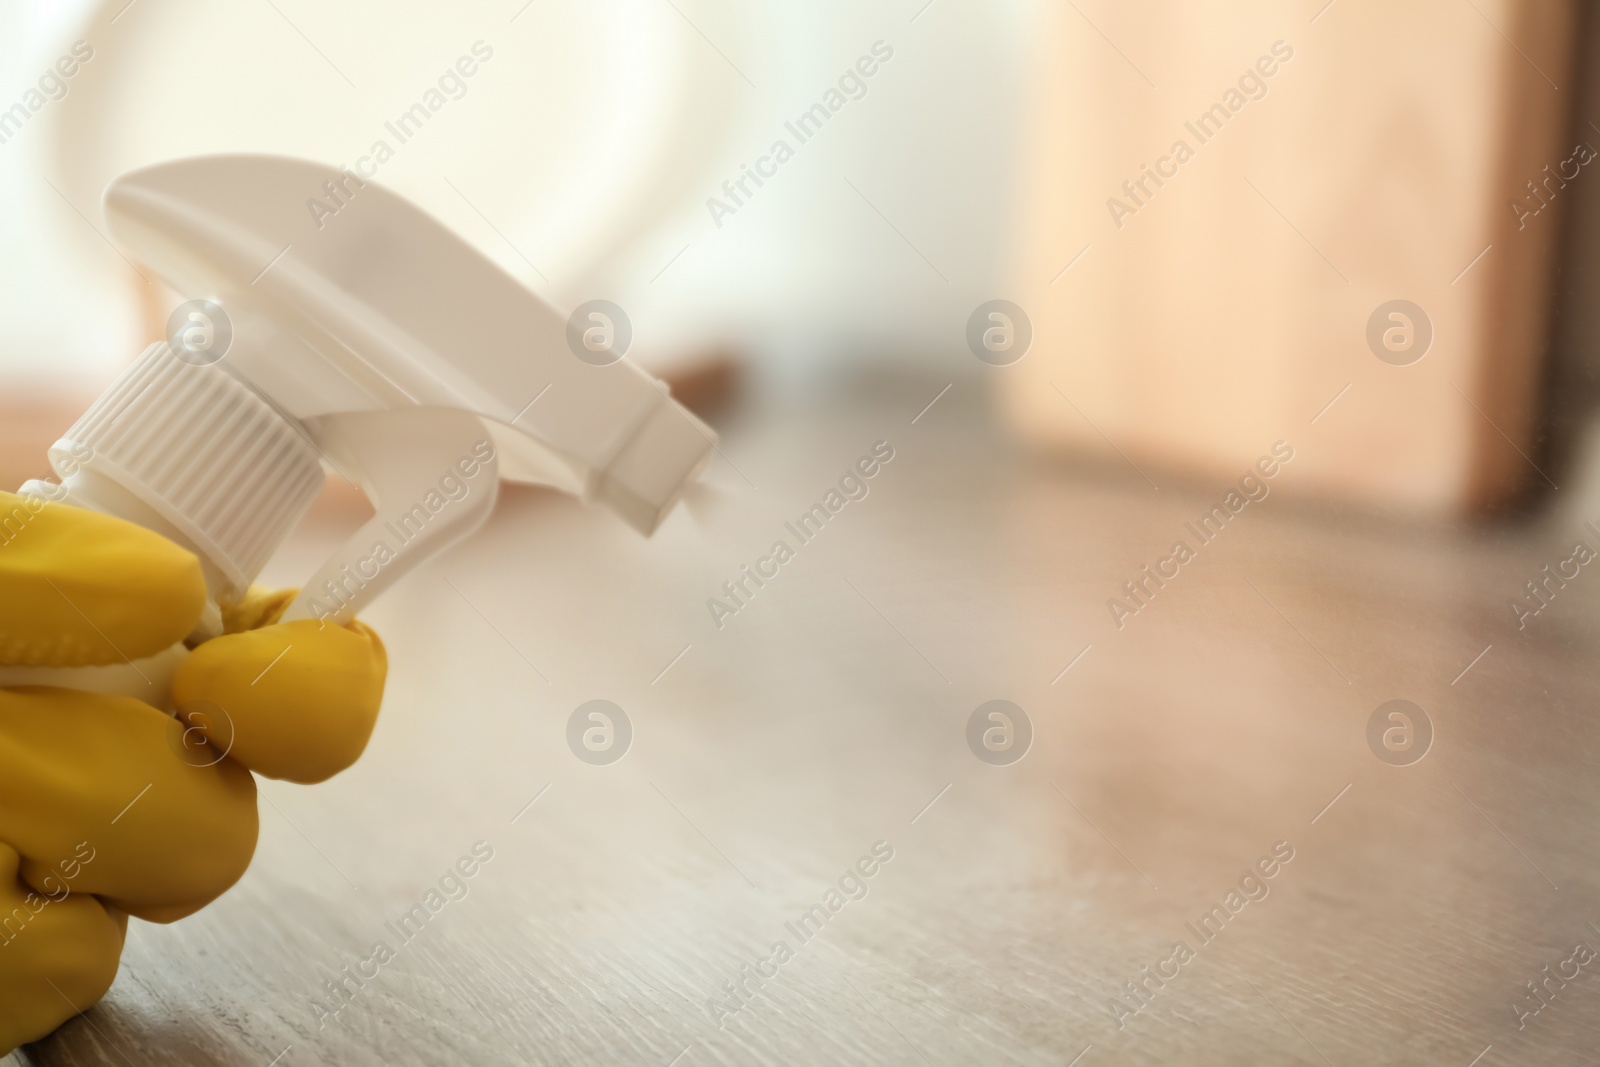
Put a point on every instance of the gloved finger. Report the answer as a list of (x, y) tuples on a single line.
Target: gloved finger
[(58, 953), (169, 834), (84, 589), (259, 607), (295, 700)]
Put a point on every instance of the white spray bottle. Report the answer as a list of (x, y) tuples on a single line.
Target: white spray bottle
[(374, 341)]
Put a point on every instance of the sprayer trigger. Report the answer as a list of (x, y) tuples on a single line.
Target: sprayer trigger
[(432, 475)]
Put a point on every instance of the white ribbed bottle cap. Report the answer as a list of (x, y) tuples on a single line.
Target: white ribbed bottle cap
[(203, 450)]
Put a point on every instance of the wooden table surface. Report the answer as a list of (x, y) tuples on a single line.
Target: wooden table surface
[(1227, 718)]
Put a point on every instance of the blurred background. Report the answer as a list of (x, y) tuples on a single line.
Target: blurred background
[(1084, 263), (984, 160)]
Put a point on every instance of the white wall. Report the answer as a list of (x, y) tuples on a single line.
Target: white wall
[(67, 300)]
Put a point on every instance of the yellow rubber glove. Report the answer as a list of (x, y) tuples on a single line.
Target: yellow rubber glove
[(110, 807)]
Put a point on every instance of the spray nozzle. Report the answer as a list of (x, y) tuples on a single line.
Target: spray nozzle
[(371, 339)]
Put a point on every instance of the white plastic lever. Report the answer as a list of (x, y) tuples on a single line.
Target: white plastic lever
[(432, 476)]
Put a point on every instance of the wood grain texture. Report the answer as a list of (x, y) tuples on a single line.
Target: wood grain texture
[(1230, 301), (831, 710)]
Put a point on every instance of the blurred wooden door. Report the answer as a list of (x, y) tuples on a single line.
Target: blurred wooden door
[(1222, 196)]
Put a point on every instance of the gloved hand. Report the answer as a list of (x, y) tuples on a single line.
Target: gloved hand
[(105, 809)]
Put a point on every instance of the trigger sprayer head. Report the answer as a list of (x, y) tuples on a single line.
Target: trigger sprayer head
[(375, 340)]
